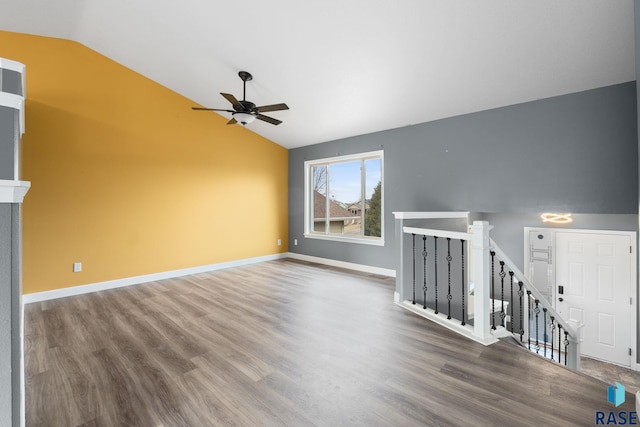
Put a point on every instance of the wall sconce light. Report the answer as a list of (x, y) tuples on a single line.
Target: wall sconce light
[(557, 218)]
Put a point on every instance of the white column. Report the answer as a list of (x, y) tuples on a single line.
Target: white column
[(480, 274)]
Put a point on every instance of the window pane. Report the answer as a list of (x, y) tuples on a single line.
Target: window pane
[(339, 192), (319, 198), (345, 190), (373, 194)]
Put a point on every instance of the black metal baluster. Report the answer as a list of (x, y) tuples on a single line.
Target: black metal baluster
[(544, 336), (449, 258), (493, 301), (511, 302), (414, 267), (462, 242), (537, 311), (566, 347), (521, 295), (529, 320), (559, 341), (424, 271), (502, 312), (435, 260), (553, 327)]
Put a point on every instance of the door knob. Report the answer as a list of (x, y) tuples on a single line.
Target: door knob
[(561, 299)]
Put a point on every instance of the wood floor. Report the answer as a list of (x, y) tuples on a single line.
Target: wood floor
[(280, 343), (609, 373)]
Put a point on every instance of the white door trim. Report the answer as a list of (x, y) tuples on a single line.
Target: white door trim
[(633, 274)]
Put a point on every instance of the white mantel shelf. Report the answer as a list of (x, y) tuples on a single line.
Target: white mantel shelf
[(13, 191)]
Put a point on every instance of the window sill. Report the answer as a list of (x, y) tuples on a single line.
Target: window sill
[(358, 240)]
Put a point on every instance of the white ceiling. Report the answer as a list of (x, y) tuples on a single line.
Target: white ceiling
[(352, 67)]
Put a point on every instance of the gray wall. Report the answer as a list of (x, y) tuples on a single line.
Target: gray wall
[(16, 313), (10, 265), (636, 11), (5, 313), (508, 230), (575, 153), (10, 314), (11, 82), (7, 142)]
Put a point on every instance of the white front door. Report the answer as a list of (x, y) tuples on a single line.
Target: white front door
[(594, 273)]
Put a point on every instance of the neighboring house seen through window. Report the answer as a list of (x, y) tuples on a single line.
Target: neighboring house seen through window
[(344, 198)]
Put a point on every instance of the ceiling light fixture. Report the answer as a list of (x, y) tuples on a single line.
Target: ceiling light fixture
[(244, 118), (557, 218)]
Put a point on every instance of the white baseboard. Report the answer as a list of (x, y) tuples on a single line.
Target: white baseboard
[(136, 280), (343, 264)]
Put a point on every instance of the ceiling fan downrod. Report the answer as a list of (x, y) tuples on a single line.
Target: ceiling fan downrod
[(245, 76)]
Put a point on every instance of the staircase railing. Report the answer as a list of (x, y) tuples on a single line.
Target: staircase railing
[(539, 311), (451, 276)]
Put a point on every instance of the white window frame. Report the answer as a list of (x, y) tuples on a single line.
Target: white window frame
[(309, 164)]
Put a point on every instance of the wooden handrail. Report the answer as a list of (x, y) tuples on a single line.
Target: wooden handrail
[(438, 233)]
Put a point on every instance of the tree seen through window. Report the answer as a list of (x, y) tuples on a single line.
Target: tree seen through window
[(346, 196)]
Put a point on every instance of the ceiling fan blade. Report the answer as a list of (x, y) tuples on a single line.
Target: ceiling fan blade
[(232, 121), (274, 107), (211, 109), (268, 119), (232, 99)]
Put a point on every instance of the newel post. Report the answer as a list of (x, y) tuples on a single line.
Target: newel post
[(480, 269), (399, 294), (573, 345)]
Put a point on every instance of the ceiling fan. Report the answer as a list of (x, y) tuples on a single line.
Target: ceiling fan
[(245, 111)]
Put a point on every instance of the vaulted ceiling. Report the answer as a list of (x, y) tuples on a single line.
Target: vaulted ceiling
[(352, 67)]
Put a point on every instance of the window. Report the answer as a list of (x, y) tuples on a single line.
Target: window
[(344, 198)]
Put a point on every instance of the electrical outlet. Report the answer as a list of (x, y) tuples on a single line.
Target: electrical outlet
[(77, 267), (279, 242), (295, 242)]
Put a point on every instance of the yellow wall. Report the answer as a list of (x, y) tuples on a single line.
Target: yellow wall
[(128, 180)]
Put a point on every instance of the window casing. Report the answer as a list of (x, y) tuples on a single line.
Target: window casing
[(344, 198)]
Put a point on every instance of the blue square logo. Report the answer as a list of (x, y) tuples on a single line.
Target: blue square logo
[(615, 394)]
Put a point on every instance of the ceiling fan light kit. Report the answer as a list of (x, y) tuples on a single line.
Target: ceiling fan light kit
[(244, 118), (245, 112)]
